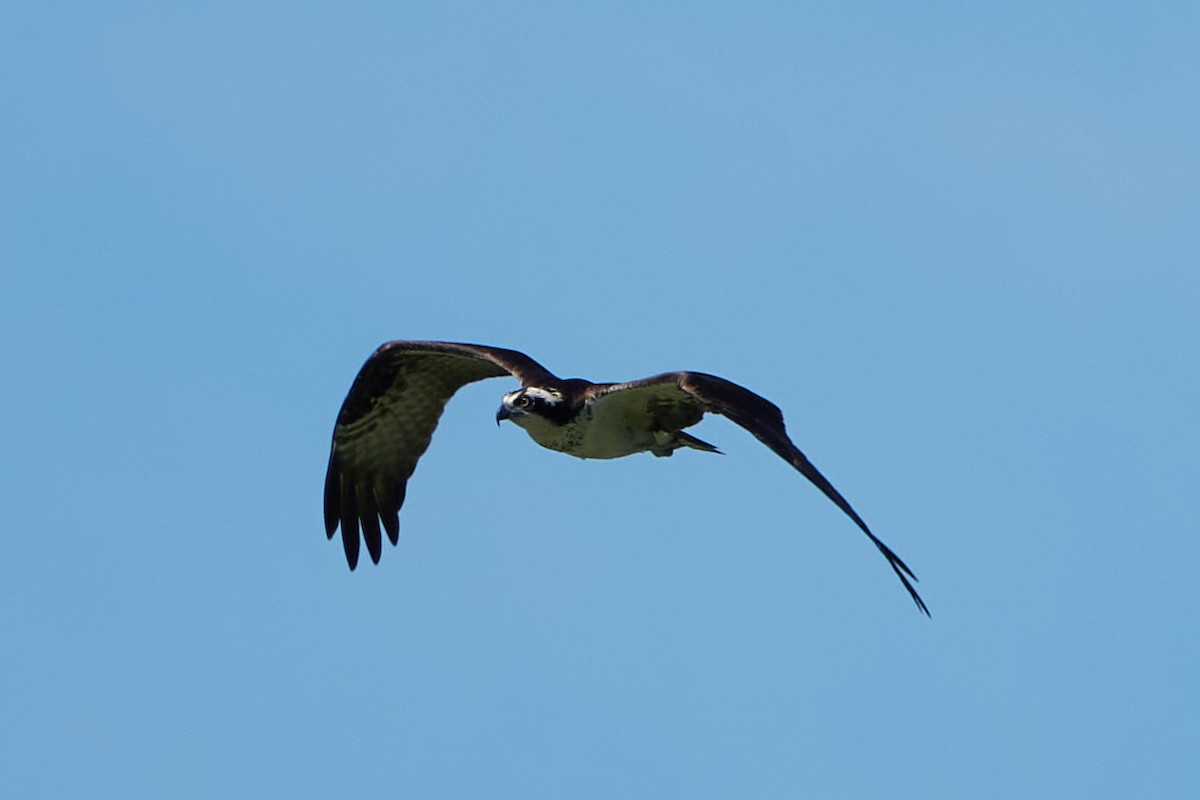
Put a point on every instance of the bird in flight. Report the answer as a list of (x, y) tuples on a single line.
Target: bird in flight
[(394, 404)]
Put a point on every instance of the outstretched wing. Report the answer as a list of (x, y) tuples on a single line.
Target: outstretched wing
[(675, 394), (385, 425)]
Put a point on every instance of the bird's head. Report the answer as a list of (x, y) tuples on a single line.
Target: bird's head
[(530, 404)]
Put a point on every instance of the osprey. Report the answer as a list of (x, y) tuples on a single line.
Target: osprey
[(394, 404)]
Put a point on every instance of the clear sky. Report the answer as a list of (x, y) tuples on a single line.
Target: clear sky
[(958, 244)]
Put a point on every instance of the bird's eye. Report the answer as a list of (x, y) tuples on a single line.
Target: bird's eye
[(524, 401)]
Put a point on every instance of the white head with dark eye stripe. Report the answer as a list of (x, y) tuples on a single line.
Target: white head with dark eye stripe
[(520, 405)]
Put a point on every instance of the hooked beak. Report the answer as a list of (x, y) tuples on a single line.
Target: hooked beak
[(503, 413)]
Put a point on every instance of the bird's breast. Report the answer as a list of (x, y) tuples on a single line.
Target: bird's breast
[(589, 435)]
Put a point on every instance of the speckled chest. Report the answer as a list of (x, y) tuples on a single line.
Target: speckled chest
[(591, 433)]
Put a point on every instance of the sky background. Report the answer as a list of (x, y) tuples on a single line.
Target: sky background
[(958, 244)]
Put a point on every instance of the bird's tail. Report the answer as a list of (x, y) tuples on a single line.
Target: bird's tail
[(687, 440)]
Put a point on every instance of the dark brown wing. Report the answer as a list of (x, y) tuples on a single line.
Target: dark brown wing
[(385, 425), (676, 392)]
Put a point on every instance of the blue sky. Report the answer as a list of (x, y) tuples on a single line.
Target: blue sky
[(958, 246)]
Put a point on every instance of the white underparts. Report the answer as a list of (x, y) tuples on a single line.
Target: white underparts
[(602, 431)]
